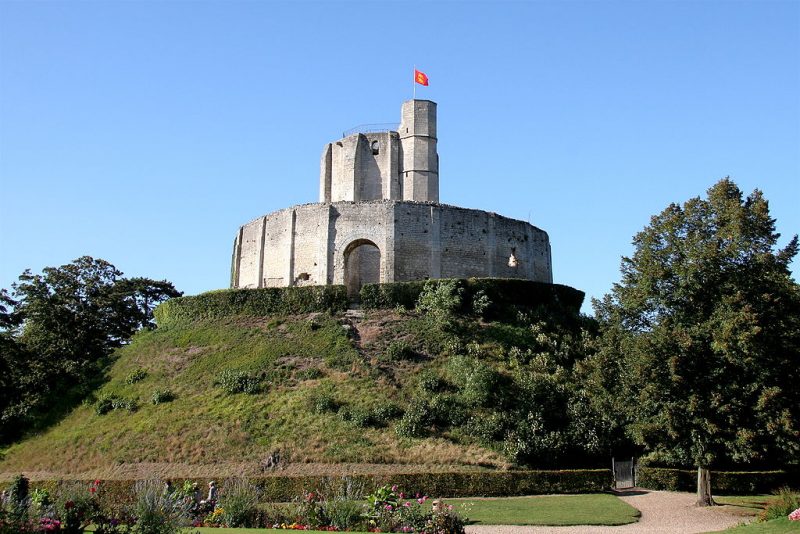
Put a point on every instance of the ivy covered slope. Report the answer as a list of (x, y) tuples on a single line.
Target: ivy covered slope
[(461, 381)]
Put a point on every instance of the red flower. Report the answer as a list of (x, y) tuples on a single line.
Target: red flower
[(69, 504)]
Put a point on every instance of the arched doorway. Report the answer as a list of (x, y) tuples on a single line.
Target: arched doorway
[(362, 265)]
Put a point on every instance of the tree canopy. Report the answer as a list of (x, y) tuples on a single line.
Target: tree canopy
[(700, 339), (59, 327)]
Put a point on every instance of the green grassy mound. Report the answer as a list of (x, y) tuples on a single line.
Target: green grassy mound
[(392, 392)]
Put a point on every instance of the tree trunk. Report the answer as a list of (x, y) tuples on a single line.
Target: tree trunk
[(704, 487)]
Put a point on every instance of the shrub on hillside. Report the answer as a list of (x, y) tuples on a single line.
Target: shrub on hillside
[(398, 350), (480, 303), (416, 420), (234, 381), (441, 299), (375, 416), (109, 403), (322, 400), (160, 396), (137, 375)]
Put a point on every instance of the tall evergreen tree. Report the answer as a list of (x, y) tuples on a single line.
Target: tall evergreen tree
[(700, 346)]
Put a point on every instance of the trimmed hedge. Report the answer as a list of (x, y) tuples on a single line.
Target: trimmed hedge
[(464, 484), (251, 302), (502, 292), (722, 482)]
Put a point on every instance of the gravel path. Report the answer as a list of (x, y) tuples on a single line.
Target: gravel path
[(663, 512)]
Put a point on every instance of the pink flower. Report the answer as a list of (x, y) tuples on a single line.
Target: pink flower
[(394, 488), (402, 495), (420, 501), (795, 516), (407, 504), (388, 507)]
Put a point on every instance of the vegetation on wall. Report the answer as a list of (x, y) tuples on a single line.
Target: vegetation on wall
[(495, 297), (252, 302)]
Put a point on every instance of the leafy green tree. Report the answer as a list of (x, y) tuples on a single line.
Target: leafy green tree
[(700, 346), (60, 327)]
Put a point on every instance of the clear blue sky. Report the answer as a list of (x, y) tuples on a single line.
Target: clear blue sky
[(146, 133)]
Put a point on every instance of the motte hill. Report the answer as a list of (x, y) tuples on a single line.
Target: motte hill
[(332, 392)]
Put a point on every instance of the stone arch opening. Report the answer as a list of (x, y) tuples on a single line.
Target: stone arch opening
[(362, 265)]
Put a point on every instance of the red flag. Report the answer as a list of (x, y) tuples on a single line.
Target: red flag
[(420, 77)]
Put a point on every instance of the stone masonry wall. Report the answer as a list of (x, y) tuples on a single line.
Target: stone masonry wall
[(310, 244)]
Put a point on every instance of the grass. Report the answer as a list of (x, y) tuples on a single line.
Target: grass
[(775, 526), (292, 357), (746, 504), (207, 530), (555, 510)]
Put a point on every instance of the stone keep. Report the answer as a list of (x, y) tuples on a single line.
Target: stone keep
[(379, 220)]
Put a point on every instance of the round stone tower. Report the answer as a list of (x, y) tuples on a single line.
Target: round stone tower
[(379, 220)]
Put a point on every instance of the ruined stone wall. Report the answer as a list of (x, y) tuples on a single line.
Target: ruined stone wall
[(309, 245)]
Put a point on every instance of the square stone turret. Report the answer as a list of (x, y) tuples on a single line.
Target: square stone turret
[(385, 164)]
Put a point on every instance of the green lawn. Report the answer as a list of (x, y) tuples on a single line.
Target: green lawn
[(206, 530), (747, 504), (558, 510), (776, 526), (589, 509)]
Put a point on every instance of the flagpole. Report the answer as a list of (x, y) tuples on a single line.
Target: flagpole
[(414, 82)]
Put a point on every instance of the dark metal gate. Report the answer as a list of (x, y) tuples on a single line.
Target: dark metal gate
[(624, 473)]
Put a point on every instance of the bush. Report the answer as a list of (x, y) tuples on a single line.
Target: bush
[(376, 416), (505, 297), (480, 303), (160, 396), (322, 400), (722, 482), (19, 490), (251, 302), (310, 373), (399, 350), (233, 381), (785, 502), (108, 403), (441, 299), (137, 375), (282, 489), (342, 513), (430, 382), (156, 511), (416, 420), (488, 428), (476, 381), (238, 498)]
